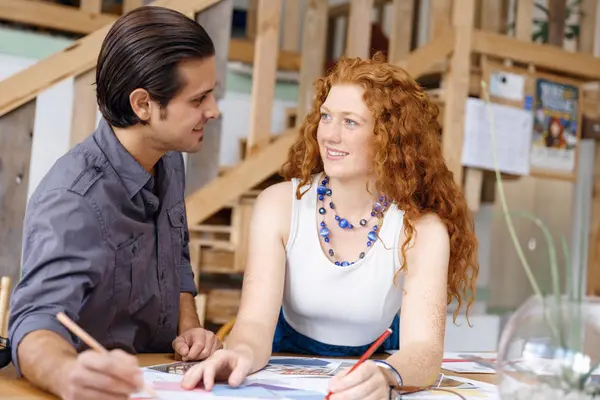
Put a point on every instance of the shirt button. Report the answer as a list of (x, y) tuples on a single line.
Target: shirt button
[(134, 249), (164, 321), (162, 275)]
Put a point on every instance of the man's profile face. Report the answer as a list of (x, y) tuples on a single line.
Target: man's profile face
[(180, 126)]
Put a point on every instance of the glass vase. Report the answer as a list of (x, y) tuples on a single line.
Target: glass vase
[(550, 349)]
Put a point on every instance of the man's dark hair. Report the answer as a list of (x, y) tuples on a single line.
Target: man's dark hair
[(142, 50)]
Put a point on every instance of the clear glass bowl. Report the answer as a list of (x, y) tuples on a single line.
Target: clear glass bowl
[(550, 349)]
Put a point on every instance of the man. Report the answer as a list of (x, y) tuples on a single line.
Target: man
[(105, 234)]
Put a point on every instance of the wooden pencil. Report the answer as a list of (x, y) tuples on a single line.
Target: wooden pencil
[(90, 341), (368, 353)]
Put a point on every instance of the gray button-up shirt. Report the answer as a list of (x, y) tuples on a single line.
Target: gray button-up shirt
[(106, 243)]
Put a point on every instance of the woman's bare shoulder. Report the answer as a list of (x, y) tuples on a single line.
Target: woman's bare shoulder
[(273, 207)]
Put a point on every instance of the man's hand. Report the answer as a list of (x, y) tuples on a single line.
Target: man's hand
[(196, 344), (94, 375)]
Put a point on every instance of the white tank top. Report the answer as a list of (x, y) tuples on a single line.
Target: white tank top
[(340, 305)]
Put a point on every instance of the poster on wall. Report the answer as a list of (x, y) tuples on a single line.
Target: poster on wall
[(555, 126)]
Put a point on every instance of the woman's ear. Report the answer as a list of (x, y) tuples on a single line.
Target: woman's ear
[(139, 100)]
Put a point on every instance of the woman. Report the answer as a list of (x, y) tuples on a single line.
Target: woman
[(369, 219)]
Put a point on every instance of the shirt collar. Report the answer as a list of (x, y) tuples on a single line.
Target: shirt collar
[(131, 172)]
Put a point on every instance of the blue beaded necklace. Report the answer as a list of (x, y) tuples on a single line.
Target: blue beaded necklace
[(379, 207)]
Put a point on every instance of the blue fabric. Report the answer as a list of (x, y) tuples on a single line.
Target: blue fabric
[(288, 340)]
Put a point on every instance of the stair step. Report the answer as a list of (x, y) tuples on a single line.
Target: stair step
[(217, 261), (214, 244), (210, 228)]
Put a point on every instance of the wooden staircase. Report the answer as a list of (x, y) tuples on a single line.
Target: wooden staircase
[(219, 211)]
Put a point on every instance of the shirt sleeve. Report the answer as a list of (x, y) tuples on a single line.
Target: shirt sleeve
[(63, 257)]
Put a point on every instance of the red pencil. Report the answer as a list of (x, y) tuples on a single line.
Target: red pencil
[(368, 353)]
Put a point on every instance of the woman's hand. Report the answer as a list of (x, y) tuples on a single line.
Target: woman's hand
[(366, 382), (224, 365)]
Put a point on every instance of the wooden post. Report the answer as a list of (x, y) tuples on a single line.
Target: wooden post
[(457, 87), (440, 17), (587, 25), (251, 18), (129, 5), (16, 136), (401, 32), (266, 50), (291, 25), (587, 38), (491, 17), (203, 166), (524, 20), (556, 22), (91, 6), (313, 53), (85, 107), (358, 42)]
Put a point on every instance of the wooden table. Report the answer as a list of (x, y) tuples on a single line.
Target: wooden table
[(13, 388)]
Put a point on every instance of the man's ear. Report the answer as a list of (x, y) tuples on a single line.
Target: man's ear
[(140, 102)]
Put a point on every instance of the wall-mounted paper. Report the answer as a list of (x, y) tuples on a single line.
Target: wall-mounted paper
[(507, 85), (512, 137)]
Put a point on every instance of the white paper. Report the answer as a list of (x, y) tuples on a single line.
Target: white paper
[(513, 127), (507, 85)]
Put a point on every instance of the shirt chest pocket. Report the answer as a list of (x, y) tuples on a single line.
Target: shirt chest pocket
[(178, 232), (129, 265)]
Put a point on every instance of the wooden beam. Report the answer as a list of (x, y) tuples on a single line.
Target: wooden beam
[(291, 25), (472, 188), (358, 42), (76, 59), (129, 5), (251, 18), (91, 6), (85, 107), (556, 22), (401, 31), (524, 20), (587, 43), (313, 53), (578, 65), (16, 136), (263, 77), (53, 16), (491, 15), (243, 51), (440, 13), (203, 166), (343, 9), (422, 59), (593, 267), (456, 89), (253, 170), (587, 25)]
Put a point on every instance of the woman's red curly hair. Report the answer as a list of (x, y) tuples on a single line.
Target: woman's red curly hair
[(408, 163)]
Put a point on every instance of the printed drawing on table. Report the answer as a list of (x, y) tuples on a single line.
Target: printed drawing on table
[(555, 127)]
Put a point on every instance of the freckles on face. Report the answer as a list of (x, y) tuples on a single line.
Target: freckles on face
[(345, 131)]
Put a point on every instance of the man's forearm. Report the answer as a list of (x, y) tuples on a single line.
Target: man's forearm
[(418, 363), (45, 358), (188, 315)]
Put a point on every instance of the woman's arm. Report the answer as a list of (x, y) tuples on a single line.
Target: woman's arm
[(424, 304), (264, 276)]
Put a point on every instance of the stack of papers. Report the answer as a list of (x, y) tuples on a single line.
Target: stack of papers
[(470, 363), (291, 378)]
